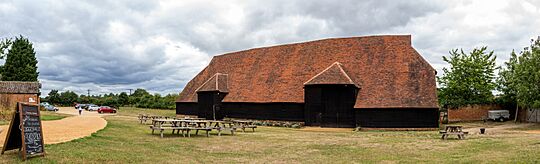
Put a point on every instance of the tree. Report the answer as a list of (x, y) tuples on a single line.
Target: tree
[(139, 92), (111, 101), (170, 101), (53, 97), (21, 62), (470, 79), (4, 45), (137, 95), (507, 82), (143, 99), (68, 98), (123, 99), (526, 76)]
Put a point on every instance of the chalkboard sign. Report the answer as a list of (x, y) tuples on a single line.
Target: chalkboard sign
[(25, 131)]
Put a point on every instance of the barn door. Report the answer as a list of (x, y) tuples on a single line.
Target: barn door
[(330, 105), (337, 108), (209, 105), (338, 102)]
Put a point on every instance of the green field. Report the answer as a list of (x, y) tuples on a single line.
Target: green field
[(124, 140), (45, 116), (48, 116), (131, 111)]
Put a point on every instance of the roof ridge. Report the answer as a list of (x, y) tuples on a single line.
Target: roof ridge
[(203, 84), (344, 73), (324, 70), (217, 80), (341, 70), (399, 36), (214, 77)]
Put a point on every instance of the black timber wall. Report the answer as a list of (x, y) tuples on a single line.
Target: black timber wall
[(371, 117), (186, 108), (265, 111), (398, 117), (260, 111)]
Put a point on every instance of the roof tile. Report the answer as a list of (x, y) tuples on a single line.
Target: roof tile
[(389, 70)]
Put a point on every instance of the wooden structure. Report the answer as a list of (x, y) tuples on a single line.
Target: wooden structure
[(188, 125), (370, 82), (532, 115), (453, 130), (12, 92), (25, 132)]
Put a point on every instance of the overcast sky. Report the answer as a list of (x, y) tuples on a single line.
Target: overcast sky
[(111, 46)]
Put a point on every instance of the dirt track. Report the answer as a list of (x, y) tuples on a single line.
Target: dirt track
[(69, 128), (501, 128)]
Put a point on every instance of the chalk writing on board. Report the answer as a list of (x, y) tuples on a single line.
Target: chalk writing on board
[(32, 130)]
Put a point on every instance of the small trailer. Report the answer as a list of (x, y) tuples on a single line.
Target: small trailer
[(499, 115)]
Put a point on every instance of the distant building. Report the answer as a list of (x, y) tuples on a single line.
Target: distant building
[(372, 81), (12, 92)]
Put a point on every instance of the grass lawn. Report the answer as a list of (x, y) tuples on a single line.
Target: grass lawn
[(124, 140), (49, 115), (45, 116), (132, 111)]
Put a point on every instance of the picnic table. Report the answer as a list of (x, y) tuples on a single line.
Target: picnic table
[(168, 124), (197, 125), (453, 130), (223, 126), (245, 124), (180, 125), (191, 118), (143, 118)]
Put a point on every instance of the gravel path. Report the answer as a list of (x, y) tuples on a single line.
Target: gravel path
[(69, 128)]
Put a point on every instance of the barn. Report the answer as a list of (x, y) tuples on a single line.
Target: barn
[(370, 81)]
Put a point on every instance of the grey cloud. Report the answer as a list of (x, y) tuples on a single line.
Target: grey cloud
[(109, 46)]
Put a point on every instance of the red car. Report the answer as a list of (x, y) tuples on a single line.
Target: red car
[(106, 109)]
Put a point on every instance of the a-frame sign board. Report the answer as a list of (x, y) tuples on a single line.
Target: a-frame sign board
[(25, 132)]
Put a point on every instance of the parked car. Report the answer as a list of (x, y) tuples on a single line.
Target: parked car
[(93, 107), (88, 105), (106, 109), (499, 115), (50, 108), (44, 104), (79, 105)]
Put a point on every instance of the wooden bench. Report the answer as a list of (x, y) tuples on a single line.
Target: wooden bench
[(245, 124), (173, 128), (143, 118), (249, 126), (207, 129), (461, 135), (219, 129)]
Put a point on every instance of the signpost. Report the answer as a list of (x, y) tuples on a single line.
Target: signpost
[(25, 132)]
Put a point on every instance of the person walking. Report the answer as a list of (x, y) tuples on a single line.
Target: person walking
[(80, 110)]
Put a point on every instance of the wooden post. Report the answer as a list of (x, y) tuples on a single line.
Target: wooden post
[(517, 109)]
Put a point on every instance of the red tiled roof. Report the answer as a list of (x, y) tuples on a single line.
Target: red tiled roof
[(331, 75), (218, 82), (388, 69)]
